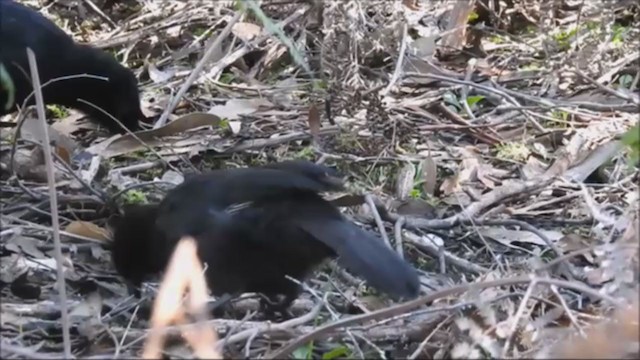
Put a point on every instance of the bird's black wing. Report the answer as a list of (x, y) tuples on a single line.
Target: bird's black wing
[(202, 203)]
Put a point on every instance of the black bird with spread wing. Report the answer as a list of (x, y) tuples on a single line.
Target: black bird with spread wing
[(253, 227), (58, 56)]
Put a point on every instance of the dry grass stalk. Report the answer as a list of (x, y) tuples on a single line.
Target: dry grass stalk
[(184, 272), (611, 339)]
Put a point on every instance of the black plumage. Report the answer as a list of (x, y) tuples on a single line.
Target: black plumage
[(254, 226), (59, 56)]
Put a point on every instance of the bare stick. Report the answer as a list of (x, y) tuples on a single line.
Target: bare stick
[(378, 219), (55, 223), (192, 77), (403, 308)]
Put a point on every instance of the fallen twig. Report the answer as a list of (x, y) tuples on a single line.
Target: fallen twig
[(55, 222)]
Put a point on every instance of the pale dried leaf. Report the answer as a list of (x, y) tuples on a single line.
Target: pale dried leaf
[(486, 174), (99, 253), (87, 229), (91, 306), (598, 276), (27, 245), (71, 124), (236, 107), (235, 126), (120, 181), (468, 166), (124, 144), (13, 266), (173, 177), (414, 207), (507, 237), (458, 198), (32, 130), (425, 47), (533, 168), (158, 76), (87, 175), (246, 31), (314, 120), (404, 182), (429, 175), (573, 242), (450, 185)]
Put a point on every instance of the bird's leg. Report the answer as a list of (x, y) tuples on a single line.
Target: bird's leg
[(218, 307), (133, 288), (271, 306)]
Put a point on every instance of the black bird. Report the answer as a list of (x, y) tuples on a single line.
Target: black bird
[(253, 226), (58, 56)]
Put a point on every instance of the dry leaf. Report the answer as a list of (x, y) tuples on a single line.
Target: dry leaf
[(159, 76), (468, 166), (482, 173), (598, 276), (404, 183), (246, 31), (273, 58), (87, 229), (508, 237), (573, 242), (414, 207), (430, 175), (63, 154), (25, 244), (314, 120), (87, 316), (173, 177), (123, 144), (32, 130), (236, 107), (450, 185), (411, 4)]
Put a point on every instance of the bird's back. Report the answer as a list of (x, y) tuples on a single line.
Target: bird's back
[(205, 198)]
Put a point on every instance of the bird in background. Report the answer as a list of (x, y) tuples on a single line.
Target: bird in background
[(59, 56)]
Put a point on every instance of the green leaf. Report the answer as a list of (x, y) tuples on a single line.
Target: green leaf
[(450, 99), (303, 352), (473, 16), (6, 84), (472, 100), (414, 193), (632, 140), (335, 353), (227, 78), (135, 197), (625, 81)]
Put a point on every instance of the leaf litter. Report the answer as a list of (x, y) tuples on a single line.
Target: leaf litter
[(491, 152)]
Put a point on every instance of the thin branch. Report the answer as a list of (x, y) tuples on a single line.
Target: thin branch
[(55, 222)]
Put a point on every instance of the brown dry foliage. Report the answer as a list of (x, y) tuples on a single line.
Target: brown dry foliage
[(610, 339)]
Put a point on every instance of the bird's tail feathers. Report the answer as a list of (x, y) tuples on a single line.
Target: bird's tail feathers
[(366, 255)]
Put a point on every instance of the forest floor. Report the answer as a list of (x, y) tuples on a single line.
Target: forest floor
[(498, 159)]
